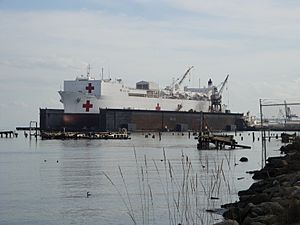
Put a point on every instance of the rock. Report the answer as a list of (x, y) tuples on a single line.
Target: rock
[(233, 213), (275, 199), (257, 223), (227, 222), (246, 210), (256, 198), (265, 220), (271, 208), (277, 161), (293, 215)]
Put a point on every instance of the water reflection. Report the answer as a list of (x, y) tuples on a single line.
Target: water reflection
[(54, 191)]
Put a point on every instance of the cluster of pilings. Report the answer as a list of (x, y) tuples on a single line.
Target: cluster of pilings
[(8, 134)]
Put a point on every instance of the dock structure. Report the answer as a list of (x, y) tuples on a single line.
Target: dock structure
[(33, 129), (219, 141), (286, 138), (8, 134)]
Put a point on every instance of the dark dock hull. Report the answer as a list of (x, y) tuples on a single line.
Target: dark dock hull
[(139, 120)]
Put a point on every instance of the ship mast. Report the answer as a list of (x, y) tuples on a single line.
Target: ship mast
[(88, 71)]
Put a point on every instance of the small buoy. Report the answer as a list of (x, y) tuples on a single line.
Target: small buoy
[(57, 161), (45, 160), (243, 159), (88, 194)]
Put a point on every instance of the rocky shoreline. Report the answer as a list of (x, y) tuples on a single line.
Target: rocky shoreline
[(275, 198)]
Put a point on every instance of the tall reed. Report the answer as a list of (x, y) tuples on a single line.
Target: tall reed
[(187, 191)]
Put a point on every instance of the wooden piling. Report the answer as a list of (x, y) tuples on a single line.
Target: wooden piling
[(7, 134)]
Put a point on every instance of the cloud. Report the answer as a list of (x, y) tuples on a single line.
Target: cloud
[(45, 62), (273, 19), (255, 42)]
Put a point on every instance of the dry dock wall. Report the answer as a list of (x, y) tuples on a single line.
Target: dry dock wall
[(139, 120)]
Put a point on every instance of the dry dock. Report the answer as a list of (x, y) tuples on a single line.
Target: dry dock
[(139, 120)]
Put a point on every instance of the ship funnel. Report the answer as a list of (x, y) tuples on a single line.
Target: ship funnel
[(210, 83)]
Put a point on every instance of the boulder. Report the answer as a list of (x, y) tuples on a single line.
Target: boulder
[(264, 220), (233, 213), (228, 222), (293, 215)]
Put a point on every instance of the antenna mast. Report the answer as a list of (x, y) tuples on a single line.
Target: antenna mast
[(88, 71)]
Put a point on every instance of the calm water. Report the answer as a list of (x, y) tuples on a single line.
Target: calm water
[(45, 182)]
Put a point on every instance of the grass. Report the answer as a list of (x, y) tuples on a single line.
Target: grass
[(187, 192)]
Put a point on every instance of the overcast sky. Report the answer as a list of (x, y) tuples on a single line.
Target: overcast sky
[(45, 42)]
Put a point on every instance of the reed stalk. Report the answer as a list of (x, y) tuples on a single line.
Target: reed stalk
[(184, 190)]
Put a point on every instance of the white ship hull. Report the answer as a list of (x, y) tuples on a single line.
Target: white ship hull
[(76, 102), (87, 95)]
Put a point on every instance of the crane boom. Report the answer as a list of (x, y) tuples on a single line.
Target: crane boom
[(184, 76), (223, 84)]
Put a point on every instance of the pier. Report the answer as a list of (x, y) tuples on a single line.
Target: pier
[(33, 129), (219, 141), (84, 135)]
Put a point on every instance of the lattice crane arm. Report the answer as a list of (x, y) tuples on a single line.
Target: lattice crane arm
[(223, 84), (184, 76)]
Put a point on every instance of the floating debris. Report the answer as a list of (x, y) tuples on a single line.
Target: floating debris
[(244, 159)]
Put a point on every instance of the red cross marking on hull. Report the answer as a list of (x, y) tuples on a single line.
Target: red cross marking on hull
[(157, 108), (87, 106), (89, 88)]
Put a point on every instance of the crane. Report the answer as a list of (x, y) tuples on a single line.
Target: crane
[(223, 84), (184, 75), (216, 97), (176, 84)]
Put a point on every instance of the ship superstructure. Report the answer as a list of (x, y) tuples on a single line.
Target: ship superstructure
[(89, 95)]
